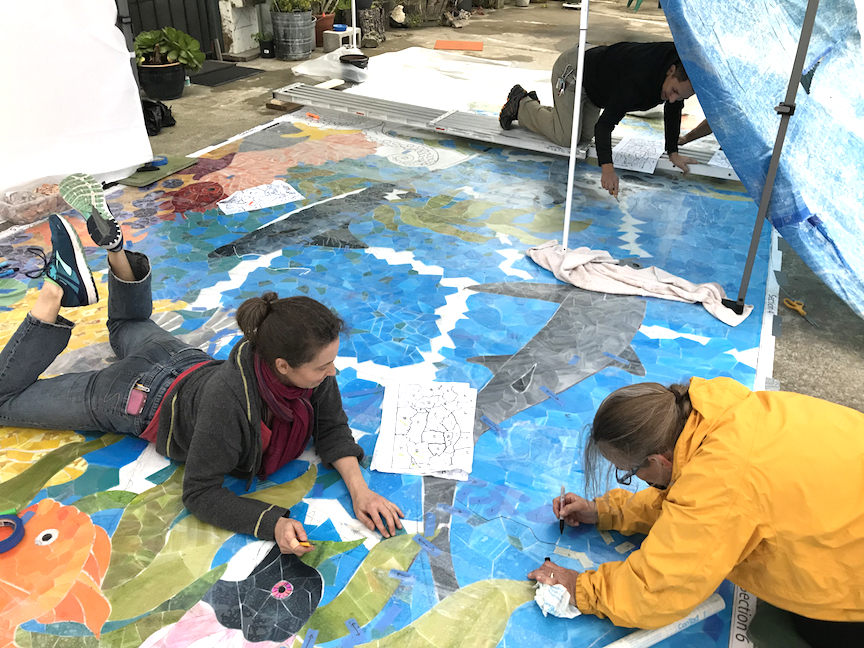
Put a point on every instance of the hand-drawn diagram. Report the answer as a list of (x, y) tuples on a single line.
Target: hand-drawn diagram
[(427, 429), (277, 192), (637, 154)]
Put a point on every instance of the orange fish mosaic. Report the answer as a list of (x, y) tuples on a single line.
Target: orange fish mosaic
[(55, 573)]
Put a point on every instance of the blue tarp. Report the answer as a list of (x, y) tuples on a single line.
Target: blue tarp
[(739, 56)]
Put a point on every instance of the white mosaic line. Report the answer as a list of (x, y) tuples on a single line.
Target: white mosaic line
[(133, 475), (662, 333), (749, 357), (309, 206), (629, 225), (511, 257), (242, 563), (405, 257), (212, 297)]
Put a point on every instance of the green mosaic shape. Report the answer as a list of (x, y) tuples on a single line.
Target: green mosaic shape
[(444, 215), (188, 554), (366, 593), (325, 549), (18, 492), (103, 501), (12, 291), (140, 536), (472, 617)]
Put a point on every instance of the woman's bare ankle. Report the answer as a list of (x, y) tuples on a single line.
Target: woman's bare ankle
[(47, 306)]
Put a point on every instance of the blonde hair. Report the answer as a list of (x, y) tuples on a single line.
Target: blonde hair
[(634, 422)]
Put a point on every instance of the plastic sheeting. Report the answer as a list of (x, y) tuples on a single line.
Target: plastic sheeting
[(69, 100), (739, 56)]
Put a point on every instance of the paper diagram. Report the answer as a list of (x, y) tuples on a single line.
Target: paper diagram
[(277, 192), (637, 154), (719, 159), (427, 429)]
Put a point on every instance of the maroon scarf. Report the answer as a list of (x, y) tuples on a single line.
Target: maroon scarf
[(292, 418)]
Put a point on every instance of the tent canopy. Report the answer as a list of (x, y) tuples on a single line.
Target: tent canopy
[(739, 57)]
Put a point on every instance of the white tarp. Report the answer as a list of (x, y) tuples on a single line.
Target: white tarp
[(69, 101)]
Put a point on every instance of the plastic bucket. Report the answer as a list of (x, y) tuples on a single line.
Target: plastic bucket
[(294, 35)]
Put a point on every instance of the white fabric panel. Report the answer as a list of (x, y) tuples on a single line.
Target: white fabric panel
[(69, 102)]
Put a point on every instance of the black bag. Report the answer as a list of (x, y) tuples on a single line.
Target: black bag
[(156, 115)]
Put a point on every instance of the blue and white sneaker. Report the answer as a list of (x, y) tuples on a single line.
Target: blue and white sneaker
[(66, 266), (85, 194)]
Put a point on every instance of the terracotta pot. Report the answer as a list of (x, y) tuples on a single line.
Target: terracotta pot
[(324, 23)]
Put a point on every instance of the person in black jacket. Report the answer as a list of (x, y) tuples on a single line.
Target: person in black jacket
[(246, 416), (617, 79)]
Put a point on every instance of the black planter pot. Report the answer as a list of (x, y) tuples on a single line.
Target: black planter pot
[(267, 49), (162, 81)]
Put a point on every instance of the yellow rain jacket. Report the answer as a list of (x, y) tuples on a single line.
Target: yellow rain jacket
[(767, 490)]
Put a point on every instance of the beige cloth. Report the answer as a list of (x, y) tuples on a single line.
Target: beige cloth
[(597, 271)]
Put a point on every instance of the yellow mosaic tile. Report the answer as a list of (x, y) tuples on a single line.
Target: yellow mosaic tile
[(21, 447)]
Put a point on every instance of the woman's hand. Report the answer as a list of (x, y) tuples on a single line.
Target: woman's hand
[(289, 536), (681, 161), (609, 179), (575, 510), (376, 511), (552, 574)]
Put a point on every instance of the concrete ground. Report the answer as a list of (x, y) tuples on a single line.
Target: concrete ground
[(827, 362)]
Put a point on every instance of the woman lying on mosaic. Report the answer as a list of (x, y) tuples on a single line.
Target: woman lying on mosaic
[(763, 488), (246, 416)]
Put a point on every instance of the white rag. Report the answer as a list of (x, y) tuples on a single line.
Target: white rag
[(555, 600), (597, 271)]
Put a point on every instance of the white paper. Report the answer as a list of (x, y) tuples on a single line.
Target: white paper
[(637, 154), (427, 429), (719, 159), (277, 192)]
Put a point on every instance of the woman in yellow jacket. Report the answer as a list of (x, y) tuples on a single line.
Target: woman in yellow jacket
[(763, 488)]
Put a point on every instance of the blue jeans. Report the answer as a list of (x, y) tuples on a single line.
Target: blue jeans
[(147, 355)]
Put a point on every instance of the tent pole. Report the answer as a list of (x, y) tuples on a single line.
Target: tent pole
[(786, 109), (575, 133)]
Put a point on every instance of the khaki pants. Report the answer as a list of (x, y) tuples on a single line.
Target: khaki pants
[(556, 123)]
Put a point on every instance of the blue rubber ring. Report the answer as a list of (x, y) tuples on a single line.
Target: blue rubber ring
[(17, 532), (340, 27), (159, 160)]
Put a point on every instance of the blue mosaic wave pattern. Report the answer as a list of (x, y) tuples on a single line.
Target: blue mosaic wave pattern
[(465, 224)]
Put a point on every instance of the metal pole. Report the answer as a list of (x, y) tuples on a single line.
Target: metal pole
[(786, 109), (575, 133)]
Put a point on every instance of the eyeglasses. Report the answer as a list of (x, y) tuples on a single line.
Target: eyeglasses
[(624, 478)]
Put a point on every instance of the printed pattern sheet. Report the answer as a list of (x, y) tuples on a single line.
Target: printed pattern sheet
[(427, 429)]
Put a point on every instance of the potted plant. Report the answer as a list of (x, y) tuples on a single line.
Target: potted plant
[(265, 44), (163, 56), (292, 28)]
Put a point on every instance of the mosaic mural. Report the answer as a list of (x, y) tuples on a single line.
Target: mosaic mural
[(419, 244)]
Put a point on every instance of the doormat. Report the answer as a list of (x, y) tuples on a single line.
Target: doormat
[(216, 73), (174, 164)]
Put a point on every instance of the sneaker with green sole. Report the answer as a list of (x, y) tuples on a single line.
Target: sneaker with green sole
[(67, 266), (85, 194)]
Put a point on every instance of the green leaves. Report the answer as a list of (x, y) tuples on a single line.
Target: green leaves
[(168, 45), (288, 6)]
